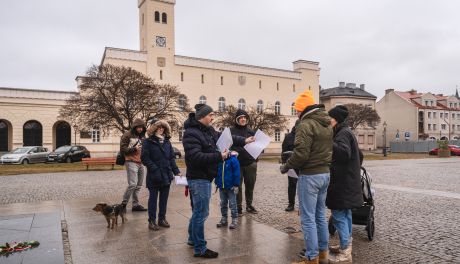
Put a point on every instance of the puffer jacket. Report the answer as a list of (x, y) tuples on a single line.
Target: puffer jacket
[(201, 154), (313, 142), (244, 157), (228, 173)]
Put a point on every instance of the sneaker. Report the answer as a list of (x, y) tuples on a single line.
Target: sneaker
[(153, 226), (343, 256), (223, 222), (251, 209), (163, 223), (234, 224), (138, 208), (290, 208), (207, 254)]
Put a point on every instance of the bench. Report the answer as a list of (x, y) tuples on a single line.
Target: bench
[(98, 161)]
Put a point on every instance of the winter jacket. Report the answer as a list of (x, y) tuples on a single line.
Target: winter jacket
[(159, 160), (344, 191), (244, 157), (288, 143), (228, 173), (201, 154), (131, 140), (313, 142)]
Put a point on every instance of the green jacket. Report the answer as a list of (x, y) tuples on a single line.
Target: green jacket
[(313, 142)]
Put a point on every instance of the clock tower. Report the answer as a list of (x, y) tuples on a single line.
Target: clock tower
[(156, 23)]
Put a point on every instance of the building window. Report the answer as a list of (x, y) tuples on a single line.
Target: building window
[(202, 99), (429, 114), (161, 75), (434, 114), (277, 108), (450, 105), (202, 78), (164, 18), (453, 127), (453, 116), (443, 126), (370, 139), (182, 102), (180, 133), (426, 103), (181, 76), (157, 16), (458, 116), (434, 126), (429, 126), (32, 134), (142, 18), (221, 104), (260, 84), (458, 127), (293, 88), (221, 80), (277, 135), (309, 87), (432, 103), (440, 115), (277, 86), (361, 139), (242, 104), (260, 106), (96, 135), (293, 111)]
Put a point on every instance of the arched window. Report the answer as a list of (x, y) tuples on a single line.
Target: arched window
[(161, 75), (181, 76), (182, 102), (181, 133), (157, 16), (242, 104), (277, 108), (202, 78), (277, 135), (221, 104), (293, 111), (221, 80), (164, 18), (260, 106), (293, 88), (277, 86), (32, 134), (4, 135), (260, 84), (63, 134), (202, 99)]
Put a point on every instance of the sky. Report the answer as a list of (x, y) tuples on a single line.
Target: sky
[(383, 44)]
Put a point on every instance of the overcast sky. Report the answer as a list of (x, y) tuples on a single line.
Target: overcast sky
[(410, 44)]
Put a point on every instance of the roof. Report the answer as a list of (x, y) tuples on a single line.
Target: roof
[(410, 96), (345, 91)]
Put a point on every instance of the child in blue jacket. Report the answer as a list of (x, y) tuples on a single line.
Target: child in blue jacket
[(227, 181)]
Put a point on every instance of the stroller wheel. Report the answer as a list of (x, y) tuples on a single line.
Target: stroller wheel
[(370, 227), (331, 227)]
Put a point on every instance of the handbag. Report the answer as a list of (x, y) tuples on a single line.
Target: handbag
[(120, 159)]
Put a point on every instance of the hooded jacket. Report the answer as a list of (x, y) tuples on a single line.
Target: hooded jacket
[(201, 154), (244, 157), (130, 141), (313, 142), (228, 175), (345, 191)]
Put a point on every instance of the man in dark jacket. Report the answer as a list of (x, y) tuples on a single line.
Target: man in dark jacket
[(248, 165), (344, 192), (312, 155), (130, 146), (288, 146), (201, 159)]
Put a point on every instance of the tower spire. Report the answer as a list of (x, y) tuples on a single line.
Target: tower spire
[(456, 92)]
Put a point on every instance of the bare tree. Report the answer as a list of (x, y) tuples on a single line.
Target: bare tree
[(360, 115), (264, 119), (111, 97)]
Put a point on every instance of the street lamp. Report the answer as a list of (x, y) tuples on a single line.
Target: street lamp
[(384, 138), (75, 128)]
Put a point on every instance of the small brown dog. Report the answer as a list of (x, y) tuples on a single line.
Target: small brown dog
[(111, 212)]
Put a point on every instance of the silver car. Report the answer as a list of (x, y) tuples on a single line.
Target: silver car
[(25, 155)]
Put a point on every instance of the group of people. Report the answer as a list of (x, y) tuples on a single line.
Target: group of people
[(327, 159), (325, 155)]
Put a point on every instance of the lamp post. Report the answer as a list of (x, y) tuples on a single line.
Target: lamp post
[(384, 138), (75, 128)]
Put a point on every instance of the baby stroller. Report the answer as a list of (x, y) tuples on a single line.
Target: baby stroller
[(365, 214)]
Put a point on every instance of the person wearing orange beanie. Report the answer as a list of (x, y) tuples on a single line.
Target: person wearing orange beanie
[(311, 158)]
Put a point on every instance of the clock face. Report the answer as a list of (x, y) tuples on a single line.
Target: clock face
[(161, 41)]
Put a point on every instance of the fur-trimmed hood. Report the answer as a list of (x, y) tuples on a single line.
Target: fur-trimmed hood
[(152, 128)]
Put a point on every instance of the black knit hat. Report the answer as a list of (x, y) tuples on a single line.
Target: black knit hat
[(202, 110), (339, 113)]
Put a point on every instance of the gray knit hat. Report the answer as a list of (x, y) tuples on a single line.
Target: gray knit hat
[(202, 110)]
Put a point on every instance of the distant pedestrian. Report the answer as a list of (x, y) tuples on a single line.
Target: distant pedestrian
[(344, 192), (288, 147)]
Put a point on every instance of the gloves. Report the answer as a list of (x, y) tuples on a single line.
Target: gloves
[(235, 190), (283, 169)]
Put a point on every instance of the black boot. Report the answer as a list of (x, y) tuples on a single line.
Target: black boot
[(290, 208), (153, 226)]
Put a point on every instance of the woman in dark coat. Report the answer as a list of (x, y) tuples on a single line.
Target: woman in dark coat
[(344, 192), (158, 157)]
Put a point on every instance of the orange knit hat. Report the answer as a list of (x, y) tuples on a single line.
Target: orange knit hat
[(304, 100)]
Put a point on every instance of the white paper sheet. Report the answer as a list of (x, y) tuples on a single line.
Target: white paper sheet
[(181, 180), (256, 147), (292, 173), (225, 140)]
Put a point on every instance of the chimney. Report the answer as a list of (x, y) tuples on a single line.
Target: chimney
[(413, 92), (351, 85), (342, 84), (361, 86), (387, 91)]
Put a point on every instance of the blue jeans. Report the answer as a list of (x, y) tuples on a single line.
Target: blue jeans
[(163, 203), (228, 197), (342, 220), (200, 190), (312, 190)]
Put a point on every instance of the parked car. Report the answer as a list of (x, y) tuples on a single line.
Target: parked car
[(177, 153), (454, 150), (25, 155), (69, 154)]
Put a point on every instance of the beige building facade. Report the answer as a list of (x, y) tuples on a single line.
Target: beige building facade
[(349, 93), (414, 116), (217, 83)]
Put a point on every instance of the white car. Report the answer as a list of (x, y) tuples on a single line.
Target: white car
[(25, 155)]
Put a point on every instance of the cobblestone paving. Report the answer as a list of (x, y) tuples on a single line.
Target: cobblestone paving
[(410, 227)]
